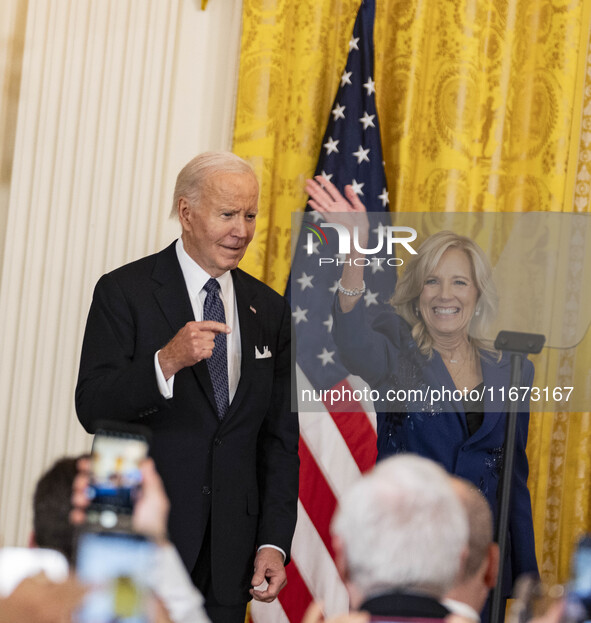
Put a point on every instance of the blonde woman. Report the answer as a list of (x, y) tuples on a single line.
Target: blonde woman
[(442, 388)]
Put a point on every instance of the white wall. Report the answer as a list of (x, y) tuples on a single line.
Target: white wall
[(116, 95)]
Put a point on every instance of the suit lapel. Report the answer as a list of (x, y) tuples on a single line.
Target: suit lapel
[(173, 299), (171, 294)]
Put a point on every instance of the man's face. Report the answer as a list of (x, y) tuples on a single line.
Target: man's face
[(217, 231)]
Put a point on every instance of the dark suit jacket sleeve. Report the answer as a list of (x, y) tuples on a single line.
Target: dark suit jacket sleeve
[(114, 381), (371, 352), (277, 448)]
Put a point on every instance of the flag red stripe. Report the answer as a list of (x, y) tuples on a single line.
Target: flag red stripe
[(316, 495), (360, 437), (355, 428), (295, 597)]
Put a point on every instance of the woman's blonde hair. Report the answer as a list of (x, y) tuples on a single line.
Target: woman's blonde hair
[(409, 287)]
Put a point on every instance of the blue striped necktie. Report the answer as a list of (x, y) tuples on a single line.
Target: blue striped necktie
[(217, 364)]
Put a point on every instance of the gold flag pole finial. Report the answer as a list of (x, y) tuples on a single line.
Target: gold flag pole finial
[(203, 5)]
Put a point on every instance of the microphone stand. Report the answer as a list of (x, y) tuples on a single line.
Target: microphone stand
[(518, 345)]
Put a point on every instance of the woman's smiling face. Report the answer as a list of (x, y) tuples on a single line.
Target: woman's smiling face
[(449, 296)]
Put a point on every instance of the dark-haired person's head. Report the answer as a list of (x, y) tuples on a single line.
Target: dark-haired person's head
[(51, 508)]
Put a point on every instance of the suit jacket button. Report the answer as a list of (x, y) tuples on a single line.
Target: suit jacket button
[(217, 441), (205, 490)]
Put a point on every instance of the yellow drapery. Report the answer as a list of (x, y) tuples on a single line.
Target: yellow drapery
[(485, 105)]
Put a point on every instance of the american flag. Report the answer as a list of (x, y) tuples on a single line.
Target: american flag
[(337, 442)]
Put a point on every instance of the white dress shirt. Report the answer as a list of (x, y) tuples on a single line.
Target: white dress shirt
[(171, 582), (195, 278), (461, 609)]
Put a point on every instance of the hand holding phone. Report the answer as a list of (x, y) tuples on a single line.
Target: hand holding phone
[(150, 514)]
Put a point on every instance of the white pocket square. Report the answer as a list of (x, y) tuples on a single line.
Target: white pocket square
[(264, 355)]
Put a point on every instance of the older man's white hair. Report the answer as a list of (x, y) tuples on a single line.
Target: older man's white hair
[(402, 528), (194, 176)]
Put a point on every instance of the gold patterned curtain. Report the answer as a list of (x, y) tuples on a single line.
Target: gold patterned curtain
[(485, 105)]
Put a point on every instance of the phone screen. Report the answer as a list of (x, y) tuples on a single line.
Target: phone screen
[(116, 476), (578, 599), (114, 566)]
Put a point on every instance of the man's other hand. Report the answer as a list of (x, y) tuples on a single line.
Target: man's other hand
[(150, 512), (194, 342), (268, 565)]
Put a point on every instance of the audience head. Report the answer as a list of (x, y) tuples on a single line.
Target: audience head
[(51, 508), (479, 573), (389, 533)]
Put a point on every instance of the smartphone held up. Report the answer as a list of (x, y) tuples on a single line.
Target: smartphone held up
[(115, 568), (111, 560), (115, 481)]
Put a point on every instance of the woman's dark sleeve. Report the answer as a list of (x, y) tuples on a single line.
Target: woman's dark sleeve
[(369, 351)]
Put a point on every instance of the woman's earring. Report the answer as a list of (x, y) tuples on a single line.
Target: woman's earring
[(477, 312)]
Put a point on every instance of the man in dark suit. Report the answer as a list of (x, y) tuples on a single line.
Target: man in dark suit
[(199, 351)]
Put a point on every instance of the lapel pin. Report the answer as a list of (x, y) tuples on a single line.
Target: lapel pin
[(253, 310)]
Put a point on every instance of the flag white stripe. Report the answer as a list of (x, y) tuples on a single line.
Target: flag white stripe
[(318, 572), (358, 383), (272, 613), (330, 451)]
